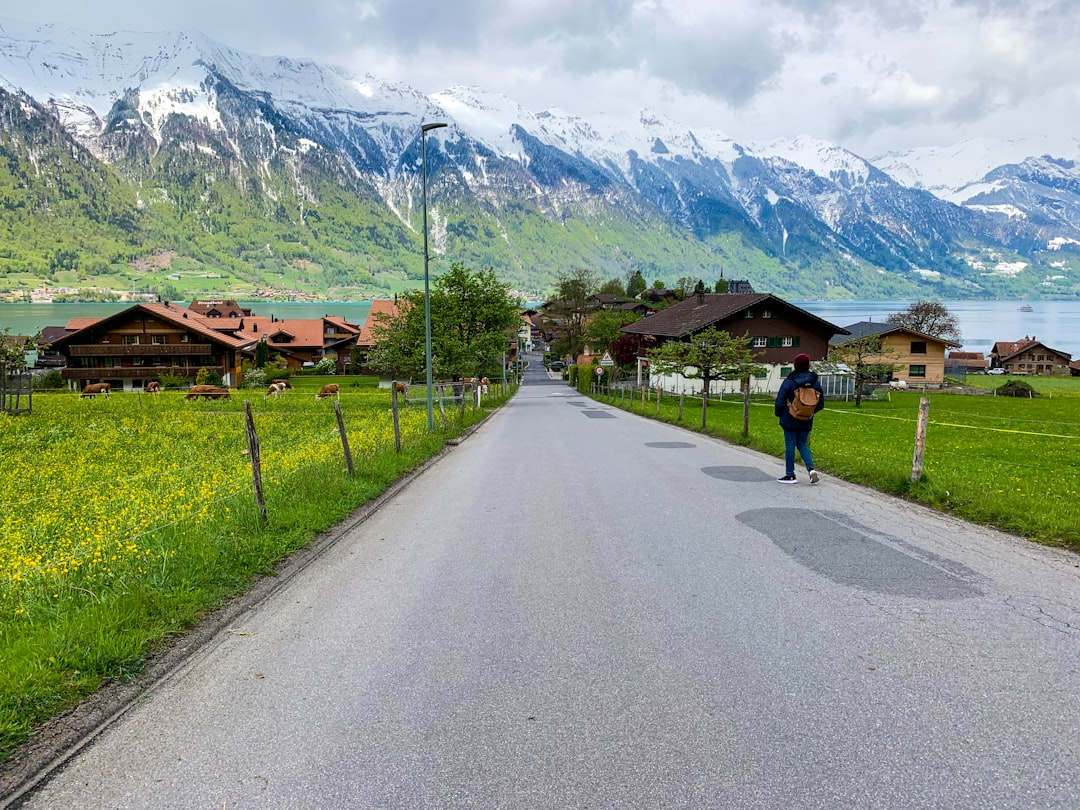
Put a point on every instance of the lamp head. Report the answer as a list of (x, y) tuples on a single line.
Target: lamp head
[(429, 127)]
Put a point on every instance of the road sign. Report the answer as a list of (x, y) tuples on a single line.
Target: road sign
[(599, 371)]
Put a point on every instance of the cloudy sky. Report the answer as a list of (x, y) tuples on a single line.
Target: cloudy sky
[(872, 75)]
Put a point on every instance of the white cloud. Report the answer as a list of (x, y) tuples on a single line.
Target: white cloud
[(884, 75)]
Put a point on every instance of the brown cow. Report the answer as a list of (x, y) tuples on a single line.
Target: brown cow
[(96, 388), (275, 389), (284, 383), (208, 392), (328, 390), (153, 387)]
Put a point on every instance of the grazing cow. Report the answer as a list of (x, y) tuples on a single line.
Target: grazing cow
[(283, 383), (208, 392), (96, 388), (153, 387), (276, 389), (897, 385), (402, 390), (328, 390)]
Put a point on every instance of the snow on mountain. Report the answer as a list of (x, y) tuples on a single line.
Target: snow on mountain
[(823, 158), (956, 172)]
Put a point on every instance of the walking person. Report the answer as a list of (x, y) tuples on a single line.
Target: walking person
[(799, 398)]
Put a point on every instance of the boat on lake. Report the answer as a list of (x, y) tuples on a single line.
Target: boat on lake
[(1026, 308)]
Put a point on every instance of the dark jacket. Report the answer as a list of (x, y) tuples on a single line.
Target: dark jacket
[(786, 393)]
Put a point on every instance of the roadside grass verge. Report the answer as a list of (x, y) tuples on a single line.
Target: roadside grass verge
[(1013, 464), (123, 521)]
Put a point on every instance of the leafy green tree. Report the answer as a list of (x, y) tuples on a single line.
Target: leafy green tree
[(603, 328), (262, 354), (568, 313), (709, 355), (613, 286), (659, 285), (635, 284), (721, 286), (867, 357), (471, 316), (930, 318)]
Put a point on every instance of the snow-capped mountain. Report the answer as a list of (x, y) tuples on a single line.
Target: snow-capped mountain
[(183, 118)]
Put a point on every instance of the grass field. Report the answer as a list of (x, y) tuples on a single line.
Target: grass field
[(999, 461), (1047, 386), (122, 520)]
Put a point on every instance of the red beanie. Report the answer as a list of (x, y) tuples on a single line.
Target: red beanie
[(802, 362)]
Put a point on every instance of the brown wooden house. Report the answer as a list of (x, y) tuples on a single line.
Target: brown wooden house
[(775, 330), (300, 342), (1029, 356), (143, 342)]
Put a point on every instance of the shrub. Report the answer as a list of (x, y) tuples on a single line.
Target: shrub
[(171, 381), (254, 378), (51, 381), (205, 376), (1017, 388), (328, 365)]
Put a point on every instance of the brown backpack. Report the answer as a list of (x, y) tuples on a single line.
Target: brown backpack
[(804, 403)]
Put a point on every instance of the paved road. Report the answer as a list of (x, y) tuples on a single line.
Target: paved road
[(578, 608)]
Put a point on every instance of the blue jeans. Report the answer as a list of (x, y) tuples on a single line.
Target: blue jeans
[(797, 440)]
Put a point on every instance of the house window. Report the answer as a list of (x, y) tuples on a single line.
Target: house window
[(749, 313), (129, 340), (766, 313), (787, 341), (157, 340), (918, 347), (785, 370), (136, 361), (916, 371), (759, 343)]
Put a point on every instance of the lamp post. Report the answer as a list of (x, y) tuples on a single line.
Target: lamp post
[(424, 130)]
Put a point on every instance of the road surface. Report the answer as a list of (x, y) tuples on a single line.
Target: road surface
[(580, 608)]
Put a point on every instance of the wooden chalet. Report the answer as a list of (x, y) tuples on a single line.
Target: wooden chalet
[(916, 358), (1029, 356), (775, 330), (300, 342), (218, 308), (141, 343)]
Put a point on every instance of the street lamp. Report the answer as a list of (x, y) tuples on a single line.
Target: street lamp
[(424, 130)]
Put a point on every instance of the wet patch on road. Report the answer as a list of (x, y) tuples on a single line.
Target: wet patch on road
[(598, 414), (670, 445), (747, 474), (848, 553)]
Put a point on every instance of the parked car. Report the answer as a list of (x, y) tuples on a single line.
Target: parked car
[(557, 365), (995, 371)]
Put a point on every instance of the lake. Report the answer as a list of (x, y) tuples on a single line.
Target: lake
[(983, 323)]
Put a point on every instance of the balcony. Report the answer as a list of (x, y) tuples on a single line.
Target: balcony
[(136, 372), (140, 350)]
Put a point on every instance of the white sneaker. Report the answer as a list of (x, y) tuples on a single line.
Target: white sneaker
[(814, 477)]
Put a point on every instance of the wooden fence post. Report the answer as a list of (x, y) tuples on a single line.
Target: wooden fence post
[(920, 438), (746, 407), (682, 393), (397, 418), (256, 465), (344, 438), (658, 392)]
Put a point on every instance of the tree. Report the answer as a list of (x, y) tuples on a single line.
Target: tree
[(867, 357), (262, 354), (709, 355), (635, 284), (613, 287), (568, 312), (604, 327), (721, 286), (471, 314), (929, 317)]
